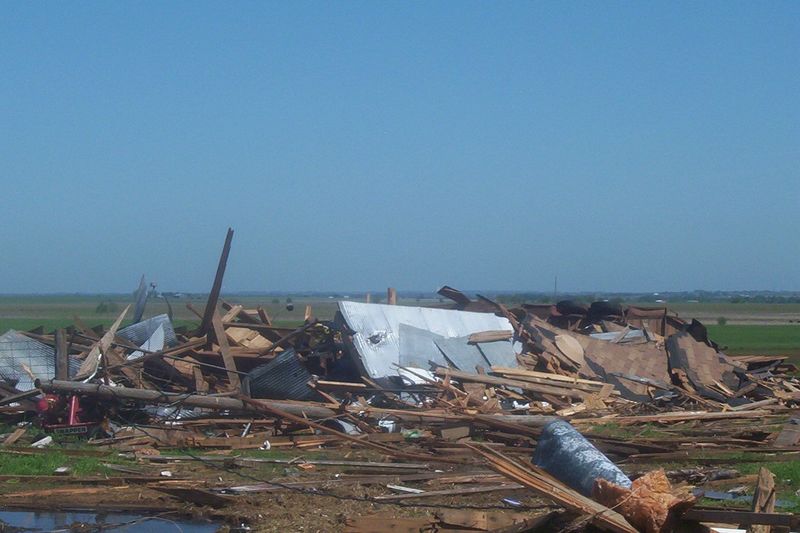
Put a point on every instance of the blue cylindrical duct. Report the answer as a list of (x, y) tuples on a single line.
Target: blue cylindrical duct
[(570, 458)]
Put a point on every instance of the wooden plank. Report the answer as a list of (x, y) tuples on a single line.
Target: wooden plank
[(243, 314), (490, 336), (544, 375), (450, 492), (14, 437), (558, 383), (216, 287), (674, 417), (524, 385), (763, 499), (225, 350), (324, 384), (89, 365), (549, 487), (14, 396), (754, 405), (262, 314), (115, 359), (200, 383), (788, 437), (60, 492), (232, 313)]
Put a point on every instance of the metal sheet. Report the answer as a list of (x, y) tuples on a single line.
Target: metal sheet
[(283, 378), (140, 295), (154, 344), (418, 347), (377, 329), (630, 335), (20, 354), (461, 354), (499, 353), (139, 333)]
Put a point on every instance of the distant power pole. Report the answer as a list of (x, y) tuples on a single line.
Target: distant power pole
[(555, 289)]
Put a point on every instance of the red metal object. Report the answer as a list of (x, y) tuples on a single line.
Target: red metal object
[(64, 414)]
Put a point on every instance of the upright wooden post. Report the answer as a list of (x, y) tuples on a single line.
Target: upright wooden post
[(391, 296), (225, 350), (62, 360), (763, 499)]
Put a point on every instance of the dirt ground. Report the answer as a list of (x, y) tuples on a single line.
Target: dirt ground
[(326, 499)]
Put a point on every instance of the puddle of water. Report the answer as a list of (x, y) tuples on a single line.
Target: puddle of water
[(129, 523)]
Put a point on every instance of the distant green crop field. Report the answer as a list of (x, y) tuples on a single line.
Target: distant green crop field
[(767, 328), (723, 308), (757, 339), (739, 313), (25, 312)]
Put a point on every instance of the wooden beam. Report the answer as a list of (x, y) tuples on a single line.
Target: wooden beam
[(262, 314), (549, 487), (62, 359), (391, 296), (89, 365), (241, 314), (763, 499), (213, 296), (225, 350), (451, 492), (524, 385)]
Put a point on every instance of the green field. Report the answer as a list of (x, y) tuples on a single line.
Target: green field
[(738, 313), (754, 340), (55, 311)]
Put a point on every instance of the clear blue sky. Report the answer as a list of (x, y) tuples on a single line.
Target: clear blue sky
[(625, 146)]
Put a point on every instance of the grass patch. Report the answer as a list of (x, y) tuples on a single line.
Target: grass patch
[(787, 480), (785, 470), (45, 464), (750, 339)]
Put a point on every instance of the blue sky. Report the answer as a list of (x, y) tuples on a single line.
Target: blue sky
[(624, 146)]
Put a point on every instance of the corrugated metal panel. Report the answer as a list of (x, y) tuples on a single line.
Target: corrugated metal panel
[(154, 344), (139, 333), (18, 354), (377, 327), (283, 378)]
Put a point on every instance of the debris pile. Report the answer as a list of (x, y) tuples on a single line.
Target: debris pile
[(471, 392)]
